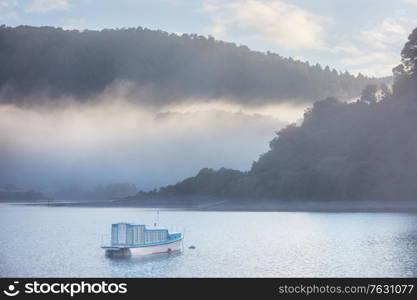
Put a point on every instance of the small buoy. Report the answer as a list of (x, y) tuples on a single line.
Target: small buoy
[(191, 247)]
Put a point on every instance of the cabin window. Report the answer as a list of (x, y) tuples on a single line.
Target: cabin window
[(114, 233), (130, 232), (148, 237), (138, 235), (121, 236)]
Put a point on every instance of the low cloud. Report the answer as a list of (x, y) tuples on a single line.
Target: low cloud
[(114, 140)]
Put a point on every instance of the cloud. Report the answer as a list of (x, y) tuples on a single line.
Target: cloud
[(8, 4), (7, 10), (369, 58), (413, 2), (74, 23), (390, 32), (375, 51), (285, 24), (43, 6)]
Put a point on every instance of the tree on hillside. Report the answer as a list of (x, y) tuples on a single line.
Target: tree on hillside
[(369, 94), (409, 54), (405, 85)]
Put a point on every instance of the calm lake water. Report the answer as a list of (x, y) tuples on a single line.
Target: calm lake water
[(65, 242)]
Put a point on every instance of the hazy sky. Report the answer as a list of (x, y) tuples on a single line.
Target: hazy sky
[(360, 36)]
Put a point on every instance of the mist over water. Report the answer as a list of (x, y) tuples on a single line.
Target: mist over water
[(114, 140)]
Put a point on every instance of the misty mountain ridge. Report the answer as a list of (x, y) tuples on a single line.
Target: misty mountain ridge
[(362, 150), (155, 68)]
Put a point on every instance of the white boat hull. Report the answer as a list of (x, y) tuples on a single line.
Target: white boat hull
[(171, 247), (163, 248)]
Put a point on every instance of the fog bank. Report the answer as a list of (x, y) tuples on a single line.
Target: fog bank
[(106, 141)]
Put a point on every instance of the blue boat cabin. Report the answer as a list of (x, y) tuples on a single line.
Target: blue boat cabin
[(124, 234)]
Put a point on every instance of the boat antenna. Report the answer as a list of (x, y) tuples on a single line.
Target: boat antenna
[(157, 218)]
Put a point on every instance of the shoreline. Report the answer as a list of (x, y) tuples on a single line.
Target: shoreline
[(220, 205)]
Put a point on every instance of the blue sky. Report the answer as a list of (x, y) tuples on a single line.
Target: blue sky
[(360, 36)]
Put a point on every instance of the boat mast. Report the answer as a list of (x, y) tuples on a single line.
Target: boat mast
[(157, 219)]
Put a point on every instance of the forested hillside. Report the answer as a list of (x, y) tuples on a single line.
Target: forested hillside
[(362, 150), (51, 62)]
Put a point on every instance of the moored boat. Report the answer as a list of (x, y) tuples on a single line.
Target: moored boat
[(135, 240)]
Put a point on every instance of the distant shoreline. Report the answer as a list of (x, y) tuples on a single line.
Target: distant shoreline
[(203, 204)]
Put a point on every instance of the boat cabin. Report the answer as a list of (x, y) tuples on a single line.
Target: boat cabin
[(124, 234)]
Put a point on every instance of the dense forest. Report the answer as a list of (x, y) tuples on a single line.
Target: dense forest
[(53, 63), (366, 149)]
